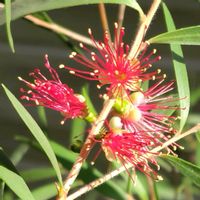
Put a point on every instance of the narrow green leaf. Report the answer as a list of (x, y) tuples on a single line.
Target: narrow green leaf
[(2, 186), (198, 136), (15, 183), (85, 93), (45, 192), (191, 171), (140, 190), (8, 19), (197, 153), (19, 153), (5, 161), (77, 129), (42, 116), (195, 96), (180, 71), (184, 36), (19, 8), (38, 174), (36, 131)]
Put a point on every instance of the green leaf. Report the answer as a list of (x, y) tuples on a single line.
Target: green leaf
[(180, 71), (16, 184), (85, 93), (19, 8), (45, 192), (195, 96), (5, 161), (140, 189), (78, 127), (8, 19), (19, 153), (197, 153), (42, 117), (36, 132), (38, 174), (198, 136), (188, 169), (184, 36)]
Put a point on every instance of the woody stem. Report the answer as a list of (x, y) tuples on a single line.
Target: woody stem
[(144, 25), (104, 19), (116, 172), (59, 29), (85, 149)]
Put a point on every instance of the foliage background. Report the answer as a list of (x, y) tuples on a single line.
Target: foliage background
[(31, 43)]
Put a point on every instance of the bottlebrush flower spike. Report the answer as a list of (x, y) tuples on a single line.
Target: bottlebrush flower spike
[(54, 94), (143, 112), (111, 66), (132, 148)]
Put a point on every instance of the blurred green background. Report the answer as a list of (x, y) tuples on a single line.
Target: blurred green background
[(32, 43)]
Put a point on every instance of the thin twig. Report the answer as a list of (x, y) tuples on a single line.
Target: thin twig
[(60, 29), (104, 20), (150, 182), (85, 149), (120, 19), (144, 25), (116, 172)]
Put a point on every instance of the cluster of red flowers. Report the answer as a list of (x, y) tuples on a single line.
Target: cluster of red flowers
[(137, 122)]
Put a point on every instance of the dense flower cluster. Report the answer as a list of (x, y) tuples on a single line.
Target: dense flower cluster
[(111, 66), (54, 94), (138, 122)]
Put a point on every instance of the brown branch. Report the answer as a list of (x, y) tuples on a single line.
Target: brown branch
[(116, 172), (104, 20), (60, 29), (85, 149), (121, 13), (144, 25)]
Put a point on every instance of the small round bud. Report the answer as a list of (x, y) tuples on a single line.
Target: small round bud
[(134, 114), (115, 123), (137, 98)]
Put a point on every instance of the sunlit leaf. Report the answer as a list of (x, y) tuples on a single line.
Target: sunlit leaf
[(36, 131), (19, 8), (5, 162), (38, 174), (45, 192), (16, 184), (180, 71), (188, 169), (8, 19), (184, 36)]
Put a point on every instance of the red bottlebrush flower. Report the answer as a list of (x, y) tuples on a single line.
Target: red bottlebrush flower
[(145, 111), (111, 65), (54, 94), (132, 148)]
